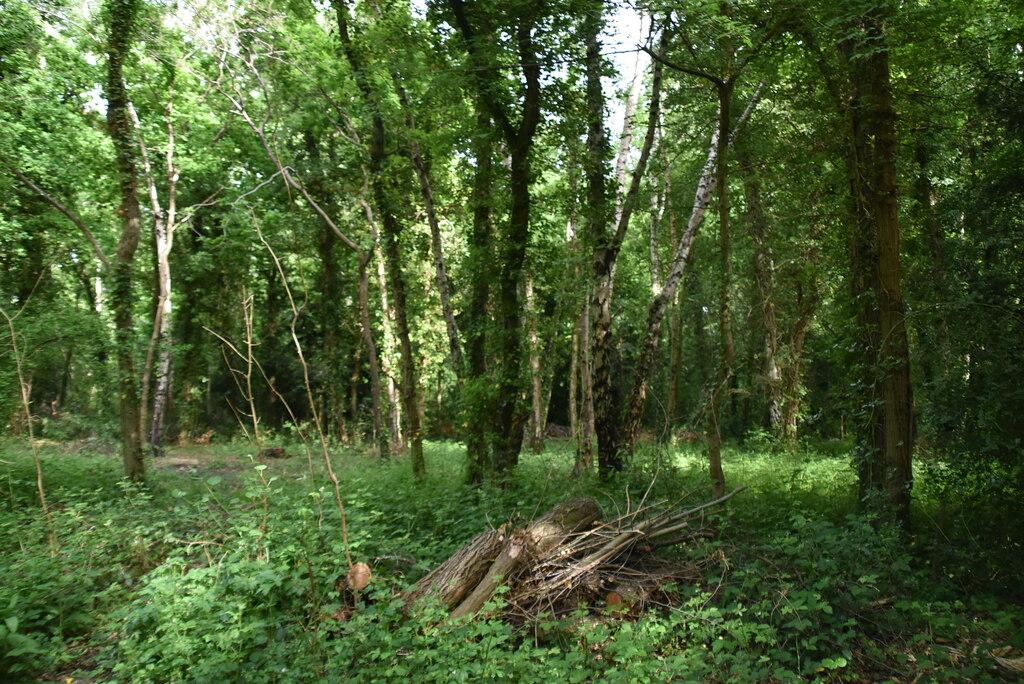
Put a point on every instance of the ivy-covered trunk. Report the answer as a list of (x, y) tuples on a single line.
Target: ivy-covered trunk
[(886, 433), (478, 399), (518, 136), (122, 17), (383, 185)]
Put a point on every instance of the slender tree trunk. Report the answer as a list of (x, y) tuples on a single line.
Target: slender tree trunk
[(626, 138), (334, 391), (352, 436), (658, 201), (714, 435), (574, 389), (536, 422), (440, 270), (519, 139), (888, 433), (383, 196), (581, 379), (587, 428), (163, 240), (656, 311), (380, 434), (477, 413), (396, 280), (728, 344), (675, 326), (605, 397), (122, 17), (511, 417), (675, 323), (387, 351), (764, 275), (807, 300), (607, 414), (660, 302)]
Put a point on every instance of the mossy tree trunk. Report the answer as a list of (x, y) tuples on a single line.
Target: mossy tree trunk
[(122, 16)]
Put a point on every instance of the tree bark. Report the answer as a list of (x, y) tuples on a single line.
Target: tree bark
[(519, 142), (764, 275), (122, 17), (478, 411), (382, 186), (607, 414), (888, 433)]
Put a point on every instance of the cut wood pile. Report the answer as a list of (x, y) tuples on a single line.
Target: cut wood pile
[(568, 557)]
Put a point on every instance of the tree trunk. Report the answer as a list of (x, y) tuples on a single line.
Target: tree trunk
[(607, 416), (656, 311), (587, 431), (519, 141), (807, 299), (511, 417), (675, 324), (477, 413), (764, 275), (387, 351), (888, 433), (537, 421), (440, 270), (163, 240), (396, 281), (122, 18), (728, 345), (383, 191)]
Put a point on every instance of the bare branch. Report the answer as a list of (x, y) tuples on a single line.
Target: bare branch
[(100, 254)]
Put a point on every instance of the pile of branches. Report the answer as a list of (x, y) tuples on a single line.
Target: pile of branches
[(569, 557)]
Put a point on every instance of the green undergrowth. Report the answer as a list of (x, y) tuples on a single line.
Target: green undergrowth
[(224, 569)]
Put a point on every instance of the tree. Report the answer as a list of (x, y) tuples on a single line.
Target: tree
[(386, 200), (122, 17), (888, 432), (518, 137)]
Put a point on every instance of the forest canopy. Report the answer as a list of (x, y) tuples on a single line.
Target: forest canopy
[(623, 227), (457, 221)]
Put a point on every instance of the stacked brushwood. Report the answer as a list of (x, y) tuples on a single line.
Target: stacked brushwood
[(568, 557)]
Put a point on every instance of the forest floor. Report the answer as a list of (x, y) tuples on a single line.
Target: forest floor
[(225, 569)]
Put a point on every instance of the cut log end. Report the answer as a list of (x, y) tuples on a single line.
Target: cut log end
[(563, 558)]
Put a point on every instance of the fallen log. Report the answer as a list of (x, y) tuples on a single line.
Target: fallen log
[(567, 556), (465, 581)]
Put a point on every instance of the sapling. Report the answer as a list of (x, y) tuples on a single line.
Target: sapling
[(26, 406)]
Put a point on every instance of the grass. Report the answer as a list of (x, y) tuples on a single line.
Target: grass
[(220, 569)]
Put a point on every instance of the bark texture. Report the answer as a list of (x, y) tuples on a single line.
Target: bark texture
[(518, 137), (122, 15), (384, 197), (887, 432), (468, 579)]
